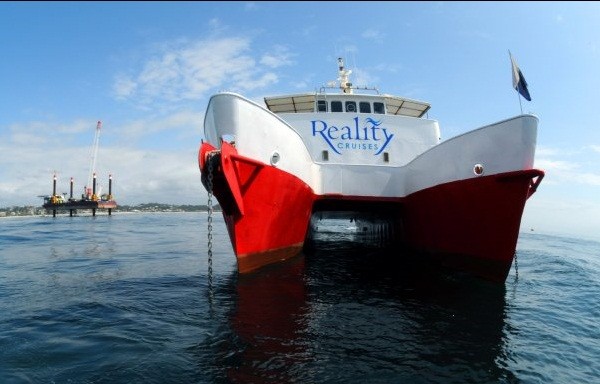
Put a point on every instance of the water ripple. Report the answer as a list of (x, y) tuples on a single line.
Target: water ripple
[(125, 299)]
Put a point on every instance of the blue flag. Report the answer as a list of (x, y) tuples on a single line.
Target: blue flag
[(519, 82)]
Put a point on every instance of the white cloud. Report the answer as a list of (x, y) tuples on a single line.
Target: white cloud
[(555, 165), (53, 128), (153, 158), (362, 78), (265, 80), (184, 71), (373, 34), (156, 176), (589, 178), (124, 87), (306, 81), (170, 176), (21, 138), (167, 173), (560, 170), (279, 57), (176, 123), (47, 133), (595, 148), (28, 171), (579, 218), (215, 23), (387, 67), (350, 49), (542, 151)]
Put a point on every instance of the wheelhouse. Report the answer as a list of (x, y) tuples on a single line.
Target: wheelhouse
[(346, 103)]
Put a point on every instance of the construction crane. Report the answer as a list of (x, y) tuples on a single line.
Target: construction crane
[(92, 197), (88, 189)]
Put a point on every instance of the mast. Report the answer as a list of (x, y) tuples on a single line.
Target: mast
[(344, 78), (93, 159)]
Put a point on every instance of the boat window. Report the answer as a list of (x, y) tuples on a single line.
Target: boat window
[(336, 106), (350, 106), (321, 106), (378, 107), (365, 107)]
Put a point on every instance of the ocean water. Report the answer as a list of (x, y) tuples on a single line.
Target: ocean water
[(126, 299)]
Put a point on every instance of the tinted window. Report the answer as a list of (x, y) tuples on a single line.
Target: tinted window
[(321, 106), (378, 108), (365, 107), (350, 106), (336, 106)]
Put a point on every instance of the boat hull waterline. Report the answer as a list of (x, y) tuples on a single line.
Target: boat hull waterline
[(267, 212)]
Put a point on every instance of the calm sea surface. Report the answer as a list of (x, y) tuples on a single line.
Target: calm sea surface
[(126, 299)]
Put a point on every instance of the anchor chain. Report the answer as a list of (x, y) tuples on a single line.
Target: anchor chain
[(210, 213)]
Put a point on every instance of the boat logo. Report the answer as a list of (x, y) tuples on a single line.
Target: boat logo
[(368, 136)]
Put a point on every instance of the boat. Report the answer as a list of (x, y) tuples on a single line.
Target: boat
[(54, 203), (91, 199), (346, 151)]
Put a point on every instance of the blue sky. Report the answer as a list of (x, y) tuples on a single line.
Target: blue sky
[(147, 69)]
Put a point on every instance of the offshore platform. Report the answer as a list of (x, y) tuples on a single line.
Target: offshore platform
[(91, 198)]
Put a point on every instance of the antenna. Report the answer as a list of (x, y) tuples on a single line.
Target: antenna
[(345, 84)]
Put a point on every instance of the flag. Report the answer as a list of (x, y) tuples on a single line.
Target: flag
[(519, 82)]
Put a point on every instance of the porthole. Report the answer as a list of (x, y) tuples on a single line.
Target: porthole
[(275, 158)]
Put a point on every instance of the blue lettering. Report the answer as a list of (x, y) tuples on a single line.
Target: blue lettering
[(356, 127), (387, 141), (323, 135), (349, 137), (332, 129)]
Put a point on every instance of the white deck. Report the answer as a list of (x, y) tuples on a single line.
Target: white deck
[(366, 154)]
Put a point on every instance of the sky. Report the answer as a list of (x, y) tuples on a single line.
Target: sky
[(147, 70)]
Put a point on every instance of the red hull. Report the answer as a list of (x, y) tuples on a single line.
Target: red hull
[(470, 224), (266, 210)]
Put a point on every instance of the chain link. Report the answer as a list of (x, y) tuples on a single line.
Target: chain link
[(210, 213)]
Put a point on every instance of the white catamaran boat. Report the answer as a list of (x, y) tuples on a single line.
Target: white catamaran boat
[(310, 155)]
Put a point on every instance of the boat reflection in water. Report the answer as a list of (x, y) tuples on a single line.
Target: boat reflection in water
[(270, 320), (347, 313)]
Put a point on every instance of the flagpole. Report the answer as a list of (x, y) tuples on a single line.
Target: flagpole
[(519, 82)]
